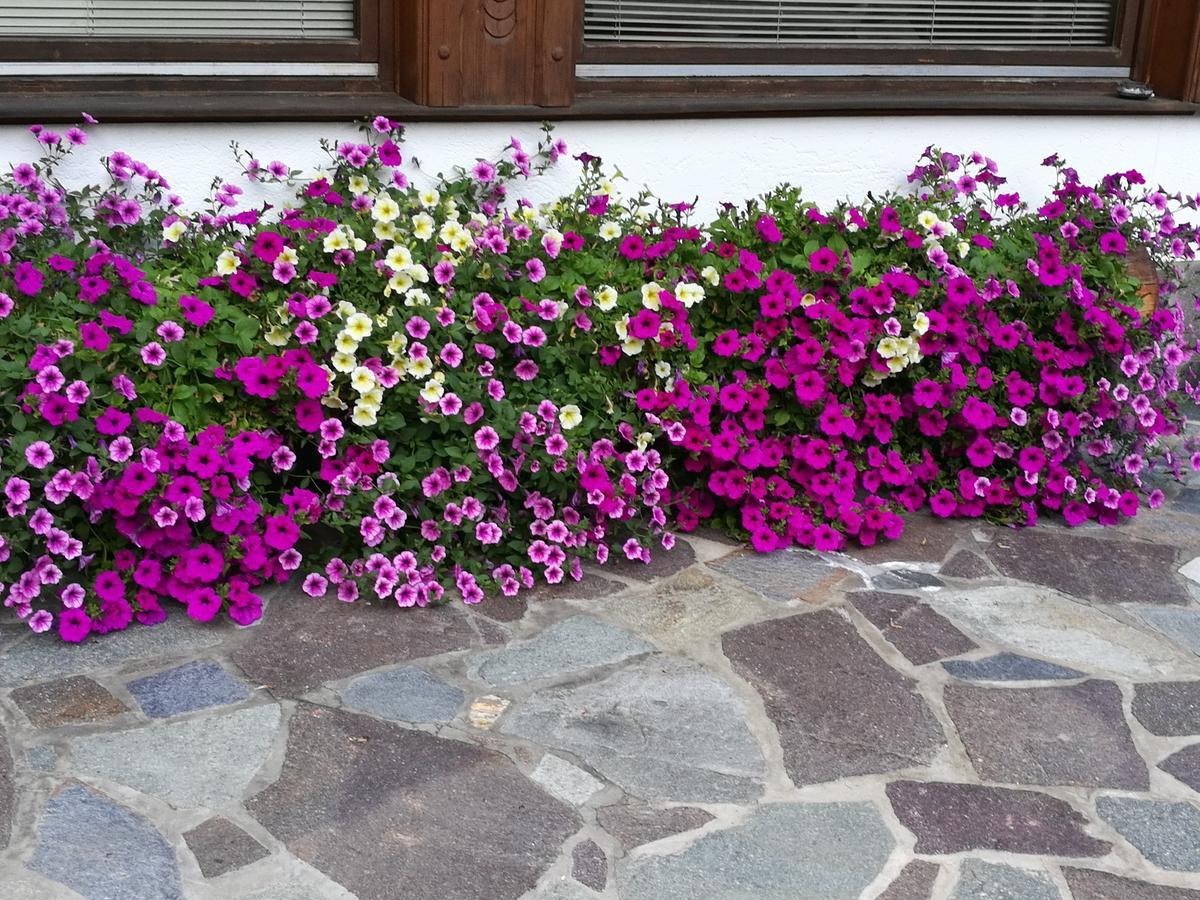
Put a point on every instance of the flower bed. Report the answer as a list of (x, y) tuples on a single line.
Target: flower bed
[(406, 392)]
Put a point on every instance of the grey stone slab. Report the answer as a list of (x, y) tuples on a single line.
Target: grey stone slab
[(784, 851), (220, 846), (42, 758), (1047, 624), (565, 781), (75, 700), (589, 865), (905, 580), (1099, 569), (1185, 765), (194, 762), (40, 660), (839, 709), (951, 818), (1181, 625), (564, 889), (634, 825), (1088, 884), (374, 806), (1168, 708), (407, 694), (102, 850), (979, 880), (1008, 667), (564, 648), (8, 798), (1167, 834), (1070, 735), (921, 634), (662, 729), (186, 688), (915, 882), (783, 575)]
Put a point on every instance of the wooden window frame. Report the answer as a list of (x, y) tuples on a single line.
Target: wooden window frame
[(516, 59)]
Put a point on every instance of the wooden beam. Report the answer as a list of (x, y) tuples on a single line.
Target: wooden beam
[(1168, 52)]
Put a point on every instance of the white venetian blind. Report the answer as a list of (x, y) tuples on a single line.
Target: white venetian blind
[(962, 23), (153, 19)]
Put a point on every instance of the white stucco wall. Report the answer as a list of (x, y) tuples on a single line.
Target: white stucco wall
[(716, 159)]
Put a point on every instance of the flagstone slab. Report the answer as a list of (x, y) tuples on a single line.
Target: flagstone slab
[(303, 642), (921, 634), (589, 865), (8, 798), (663, 563), (634, 825), (406, 694), (565, 781), (1099, 569), (905, 580), (564, 648), (1088, 884), (925, 539), (783, 851), (663, 729), (1008, 667), (1070, 735), (194, 762), (373, 805), (1185, 765), (687, 611), (102, 850), (1167, 834), (220, 846), (68, 701), (1181, 625), (915, 882), (1168, 708), (1045, 623), (952, 818), (967, 565), (187, 688), (41, 658), (783, 575), (979, 880), (839, 709)]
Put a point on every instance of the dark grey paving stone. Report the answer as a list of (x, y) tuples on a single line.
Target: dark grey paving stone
[(926, 539), (1168, 708), (1184, 765), (1088, 884), (1100, 569), (8, 796), (220, 846), (1070, 735), (921, 634), (637, 825), (407, 694), (196, 685), (102, 850), (979, 880), (1008, 667), (783, 851), (1181, 625), (967, 565), (68, 701), (662, 563), (905, 580), (373, 805), (40, 660), (839, 709), (206, 761), (589, 865), (952, 818), (783, 575), (1167, 834), (915, 882), (1187, 501), (566, 647), (303, 642), (663, 729)]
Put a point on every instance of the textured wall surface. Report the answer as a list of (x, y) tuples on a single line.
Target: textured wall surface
[(714, 159)]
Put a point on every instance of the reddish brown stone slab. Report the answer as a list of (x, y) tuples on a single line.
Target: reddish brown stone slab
[(840, 710), (662, 563), (925, 539), (1073, 735), (1088, 884), (952, 818), (637, 825), (303, 642), (1100, 569), (921, 634), (220, 846), (68, 701), (967, 565), (375, 806), (915, 882), (1184, 765), (589, 865), (1168, 708)]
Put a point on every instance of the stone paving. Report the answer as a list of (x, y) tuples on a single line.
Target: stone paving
[(970, 713)]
